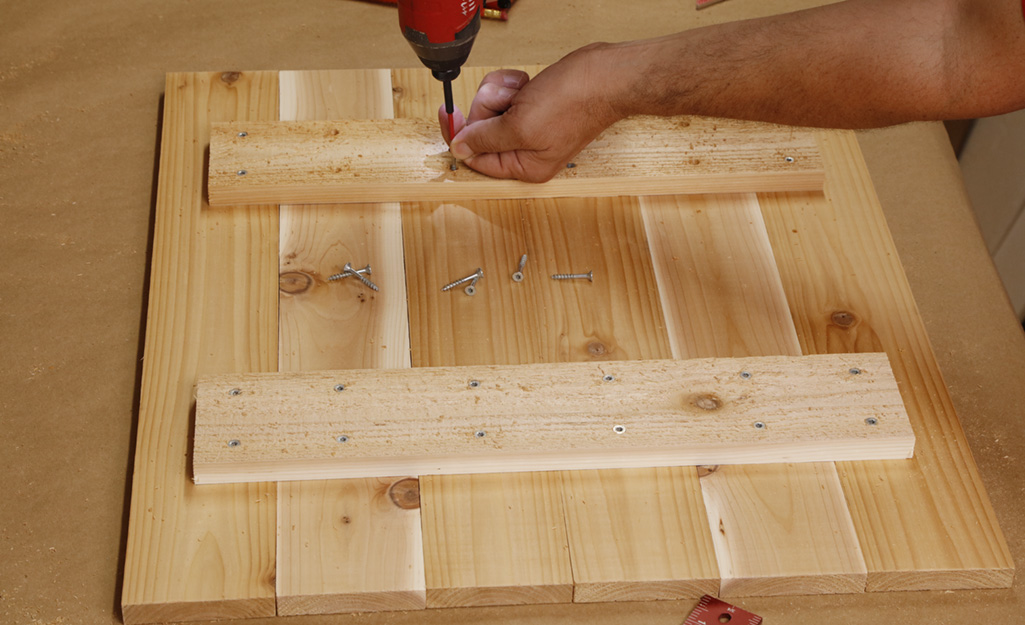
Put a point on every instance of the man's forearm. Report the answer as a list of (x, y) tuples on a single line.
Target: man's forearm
[(860, 63)]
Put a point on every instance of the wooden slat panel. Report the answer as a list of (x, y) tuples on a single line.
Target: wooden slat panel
[(344, 545), (499, 419), (638, 535), (488, 540), (407, 160), (926, 523), (201, 553), (733, 296)]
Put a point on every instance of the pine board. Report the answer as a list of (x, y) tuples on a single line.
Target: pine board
[(344, 545), (406, 159)]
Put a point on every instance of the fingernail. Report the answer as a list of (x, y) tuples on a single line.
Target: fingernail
[(461, 151), (506, 93), (511, 81)]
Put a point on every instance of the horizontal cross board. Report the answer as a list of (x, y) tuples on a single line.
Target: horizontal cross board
[(484, 419), (395, 160)]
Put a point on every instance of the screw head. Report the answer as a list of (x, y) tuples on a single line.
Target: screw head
[(609, 378), (243, 134), (745, 375), (855, 371), (474, 383), (234, 442), (470, 290), (339, 388), (342, 439), (235, 392), (759, 425), (480, 433), (242, 172), (453, 167), (872, 421), (618, 429), (789, 159), (518, 276)]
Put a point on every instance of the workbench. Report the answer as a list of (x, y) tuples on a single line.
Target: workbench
[(81, 102)]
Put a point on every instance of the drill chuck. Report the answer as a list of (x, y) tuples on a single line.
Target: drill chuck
[(441, 32)]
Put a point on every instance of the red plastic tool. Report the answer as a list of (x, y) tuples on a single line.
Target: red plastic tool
[(712, 611)]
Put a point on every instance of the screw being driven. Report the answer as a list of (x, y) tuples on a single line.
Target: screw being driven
[(589, 276), (473, 276), (518, 275)]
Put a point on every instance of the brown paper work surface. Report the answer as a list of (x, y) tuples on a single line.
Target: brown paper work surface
[(80, 110)]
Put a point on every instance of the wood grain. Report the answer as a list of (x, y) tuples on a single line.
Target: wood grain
[(201, 553), (723, 296), (407, 160), (926, 523), (344, 545), (638, 535), (548, 416), (474, 521)]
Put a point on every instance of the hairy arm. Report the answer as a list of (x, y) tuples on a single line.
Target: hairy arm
[(853, 64)]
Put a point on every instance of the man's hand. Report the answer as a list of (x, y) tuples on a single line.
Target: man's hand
[(529, 129)]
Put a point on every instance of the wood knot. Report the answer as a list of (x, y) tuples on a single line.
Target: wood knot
[(346, 520), (396, 90), (406, 493), (597, 348), (707, 469), (708, 401), (294, 282), (844, 319), (229, 78)]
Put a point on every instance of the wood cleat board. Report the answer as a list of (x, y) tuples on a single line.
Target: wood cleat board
[(244, 289)]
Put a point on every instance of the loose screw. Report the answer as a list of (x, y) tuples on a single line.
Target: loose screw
[(475, 275), (471, 289), (348, 269), (344, 274), (518, 275), (589, 276)]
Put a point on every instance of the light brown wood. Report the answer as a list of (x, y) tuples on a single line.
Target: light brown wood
[(344, 545), (754, 507), (201, 553), (547, 417), (723, 296), (638, 535), (926, 523), (523, 528), (407, 160)]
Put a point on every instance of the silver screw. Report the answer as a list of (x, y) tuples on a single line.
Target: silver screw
[(789, 159), (473, 276), (518, 275), (339, 387), (234, 442), (618, 429), (242, 172), (855, 371), (347, 269), (342, 439), (745, 375), (471, 289), (338, 276), (589, 276), (235, 392), (474, 384), (609, 378), (872, 421), (243, 134), (759, 425), (453, 167), (570, 165), (480, 433)]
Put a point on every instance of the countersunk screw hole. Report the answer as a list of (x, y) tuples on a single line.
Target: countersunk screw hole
[(234, 442), (872, 421), (855, 371), (480, 433), (242, 172), (609, 378), (474, 384), (243, 134), (618, 429), (745, 375), (342, 439), (789, 159), (235, 392), (759, 425), (339, 388)]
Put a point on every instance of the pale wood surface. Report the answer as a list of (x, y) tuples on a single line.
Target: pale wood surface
[(724, 287), (927, 523), (638, 535), (344, 545), (201, 553), (548, 416), (407, 160), (475, 521)]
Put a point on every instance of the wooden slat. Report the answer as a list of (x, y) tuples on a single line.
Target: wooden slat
[(407, 160), (724, 297), (344, 545), (201, 553), (638, 535), (925, 523), (487, 539), (547, 417)]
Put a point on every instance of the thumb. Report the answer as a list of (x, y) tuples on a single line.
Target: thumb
[(497, 134)]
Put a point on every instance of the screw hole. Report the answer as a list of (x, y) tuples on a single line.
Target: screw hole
[(789, 159), (342, 439), (480, 433), (242, 172), (759, 425), (474, 384), (609, 378), (745, 375), (725, 617), (339, 388), (243, 134), (618, 429), (235, 392), (855, 371), (234, 442), (872, 421)]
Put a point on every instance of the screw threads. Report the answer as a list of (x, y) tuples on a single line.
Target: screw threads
[(473, 276), (589, 276)]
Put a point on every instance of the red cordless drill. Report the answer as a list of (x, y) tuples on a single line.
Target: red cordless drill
[(441, 33)]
